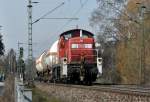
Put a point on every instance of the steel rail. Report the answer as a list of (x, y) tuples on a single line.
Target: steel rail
[(139, 91)]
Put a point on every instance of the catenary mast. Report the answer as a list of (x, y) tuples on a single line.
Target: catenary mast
[(30, 51)]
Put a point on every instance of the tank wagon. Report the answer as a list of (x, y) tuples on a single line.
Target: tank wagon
[(73, 58)]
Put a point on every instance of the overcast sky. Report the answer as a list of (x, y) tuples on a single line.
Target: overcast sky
[(13, 18)]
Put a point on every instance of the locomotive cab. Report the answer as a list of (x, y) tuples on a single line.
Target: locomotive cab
[(78, 57)]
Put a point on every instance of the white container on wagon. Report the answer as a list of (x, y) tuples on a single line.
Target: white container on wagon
[(40, 63)]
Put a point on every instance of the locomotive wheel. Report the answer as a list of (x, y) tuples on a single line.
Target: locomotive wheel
[(88, 77)]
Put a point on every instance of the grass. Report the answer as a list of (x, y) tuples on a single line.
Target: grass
[(39, 96), (8, 95)]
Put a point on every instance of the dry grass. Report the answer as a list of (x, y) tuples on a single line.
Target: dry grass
[(9, 90), (40, 96)]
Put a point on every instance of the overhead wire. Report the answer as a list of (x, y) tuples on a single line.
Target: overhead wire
[(81, 3), (49, 12), (84, 3), (70, 20)]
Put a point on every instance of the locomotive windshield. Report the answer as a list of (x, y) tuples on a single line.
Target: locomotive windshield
[(76, 33), (67, 36), (86, 34)]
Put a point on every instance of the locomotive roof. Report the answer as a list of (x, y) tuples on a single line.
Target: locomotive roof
[(64, 33)]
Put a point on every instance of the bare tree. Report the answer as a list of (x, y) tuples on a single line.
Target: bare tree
[(103, 20), (10, 61)]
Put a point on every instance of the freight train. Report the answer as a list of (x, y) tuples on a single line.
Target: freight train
[(73, 58)]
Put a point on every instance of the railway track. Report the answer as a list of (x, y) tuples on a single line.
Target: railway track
[(122, 89)]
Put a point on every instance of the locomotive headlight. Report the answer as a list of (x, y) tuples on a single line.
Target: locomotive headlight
[(64, 67), (64, 60), (99, 61), (99, 65)]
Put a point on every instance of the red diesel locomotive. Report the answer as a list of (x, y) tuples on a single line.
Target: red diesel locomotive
[(77, 58)]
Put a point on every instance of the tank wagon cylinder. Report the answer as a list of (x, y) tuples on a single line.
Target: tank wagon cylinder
[(40, 63), (51, 55), (47, 59)]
